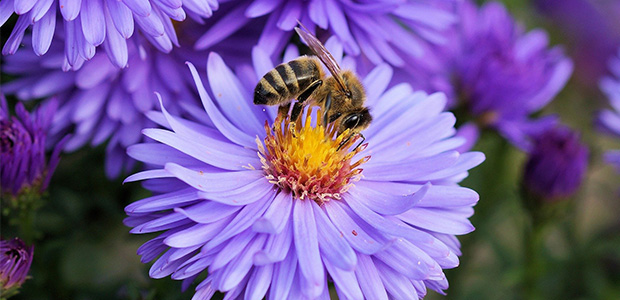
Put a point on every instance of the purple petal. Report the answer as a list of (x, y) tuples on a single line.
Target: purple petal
[(333, 245), (139, 7), (289, 15), (243, 220), (387, 204), (259, 282), (318, 15), (465, 162), (197, 234), (150, 174), (338, 23), (239, 197), (207, 211), (15, 39), (23, 6), (233, 248), (40, 9), (223, 125), (410, 170), (43, 32), (261, 7), (283, 276), (177, 14), (70, 9), (199, 7), (6, 10), (212, 182), (121, 17), (150, 25), (354, 233), (276, 247), (439, 220), (163, 201), (93, 21), (232, 97), (159, 154), (225, 27), (369, 279), (85, 48), (346, 282), (276, 217), (307, 245), (395, 283), (391, 226)]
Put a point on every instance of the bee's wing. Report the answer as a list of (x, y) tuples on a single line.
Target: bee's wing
[(319, 50)]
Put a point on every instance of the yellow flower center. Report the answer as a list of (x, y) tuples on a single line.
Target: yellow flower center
[(310, 162)]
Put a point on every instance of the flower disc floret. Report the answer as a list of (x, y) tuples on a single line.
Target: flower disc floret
[(308, 161)]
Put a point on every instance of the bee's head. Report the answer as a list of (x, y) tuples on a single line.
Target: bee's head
[(356, 120)]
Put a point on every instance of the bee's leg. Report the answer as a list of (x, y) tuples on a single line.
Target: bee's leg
[(297, 107), (328, 104), (348, 138), (308, 91), (283, 110)]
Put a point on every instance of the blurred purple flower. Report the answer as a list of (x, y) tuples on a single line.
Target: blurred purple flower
[(590, 28), (498, 72), (386, 30), (23, 165), (556, 165), (608, 120), (224, 208), (15, 261), (101, 102), (88, 24)]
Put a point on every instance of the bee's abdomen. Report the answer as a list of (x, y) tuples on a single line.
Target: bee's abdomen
[(286, 81)]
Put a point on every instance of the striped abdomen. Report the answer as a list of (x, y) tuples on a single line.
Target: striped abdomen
[(286, 81)]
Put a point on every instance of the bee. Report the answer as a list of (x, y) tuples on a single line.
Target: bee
[(341, 95)]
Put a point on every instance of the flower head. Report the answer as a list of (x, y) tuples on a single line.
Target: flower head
[(274, 211), (498, 72), (23, 164), (380, 31), (100, 102), (608, 120), (86, 25), (556, 164), (15, 261)]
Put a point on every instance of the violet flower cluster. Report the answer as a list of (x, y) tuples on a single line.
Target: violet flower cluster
[(23, 163), (226, 209), (87, 24), (497, 71)]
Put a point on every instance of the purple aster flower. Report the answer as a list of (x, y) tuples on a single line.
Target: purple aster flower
[(497, 71), (388, 30), (590, 28), (101, 102), (23, 165), (608, 120), (267, 209), (88, 24), (556, 164), (15, 261)]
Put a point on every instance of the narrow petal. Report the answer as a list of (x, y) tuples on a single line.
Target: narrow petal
[(115, 44), (387, 204), (121, 17), (225, 27), (93, 21), (260, 279), (333, 245), (411, 170), (223, 125), (139, 7), (261, 7), (283, 276), (41, 8), (23, 6), (70, 9), (346, 281), (207, 211), (6, 10), (213, 182), (43, 31), (197, 234), (355, 234), (369, 278), (15, 39), (439, 220), (307, 245), (276, 217), (276, 247)]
